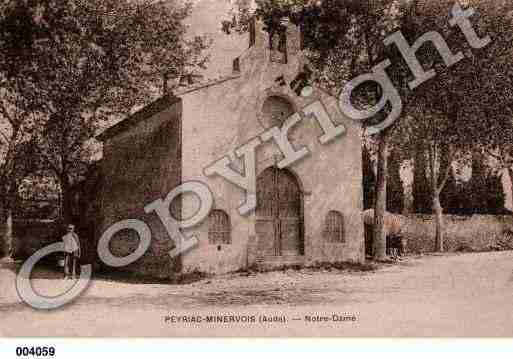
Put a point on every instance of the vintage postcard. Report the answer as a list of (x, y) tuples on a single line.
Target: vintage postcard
[(272, 168)]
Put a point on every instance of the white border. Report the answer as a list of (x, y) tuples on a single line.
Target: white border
[(266, 348)]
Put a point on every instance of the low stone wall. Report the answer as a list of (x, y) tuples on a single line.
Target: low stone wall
[(474, 233), (462, 233), (31, 235)]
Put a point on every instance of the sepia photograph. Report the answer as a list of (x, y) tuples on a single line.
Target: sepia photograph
[(268, 168)]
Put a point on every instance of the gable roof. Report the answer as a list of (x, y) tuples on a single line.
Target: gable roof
[(141, 115), (158, 106), (208, 83)]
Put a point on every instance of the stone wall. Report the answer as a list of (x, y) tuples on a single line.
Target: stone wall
[(31, 235), (461, 233), (140, 164), (475, 233)]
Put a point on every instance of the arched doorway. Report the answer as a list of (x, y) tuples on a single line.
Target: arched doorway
[(279, 214)]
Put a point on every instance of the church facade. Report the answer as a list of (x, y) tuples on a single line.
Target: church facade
[(307, 212)]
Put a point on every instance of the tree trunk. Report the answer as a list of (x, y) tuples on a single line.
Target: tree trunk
[(510, 173), (165, 85), (6, 240), (379, 233), (8, 231), (3, 240), (67, 201), (439, 177), (439, 236), (420, 187)]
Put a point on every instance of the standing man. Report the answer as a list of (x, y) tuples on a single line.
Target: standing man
[(71, 252)]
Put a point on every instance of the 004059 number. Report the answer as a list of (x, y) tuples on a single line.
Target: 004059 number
[(35, 351)]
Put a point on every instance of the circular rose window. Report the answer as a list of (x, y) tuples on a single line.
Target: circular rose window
[(275, 111)]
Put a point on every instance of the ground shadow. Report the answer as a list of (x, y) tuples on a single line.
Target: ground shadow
[(40, 271)]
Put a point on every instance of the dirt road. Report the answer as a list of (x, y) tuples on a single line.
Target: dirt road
[(449, 295)]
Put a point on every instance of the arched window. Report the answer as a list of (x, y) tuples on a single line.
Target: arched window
[(278, 46), (275, 111), (334, 227), (218, 227)]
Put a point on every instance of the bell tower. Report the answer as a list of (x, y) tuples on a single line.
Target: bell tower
[(281, 45)]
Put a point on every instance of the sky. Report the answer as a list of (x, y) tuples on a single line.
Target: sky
[(206, 19)]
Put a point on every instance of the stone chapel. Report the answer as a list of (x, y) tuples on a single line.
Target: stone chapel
[(309, 212)]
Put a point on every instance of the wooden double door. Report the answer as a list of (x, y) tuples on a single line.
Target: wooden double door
[(279, 218)]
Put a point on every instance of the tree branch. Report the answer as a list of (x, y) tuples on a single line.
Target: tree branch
[(4, 136), (5, 113)]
